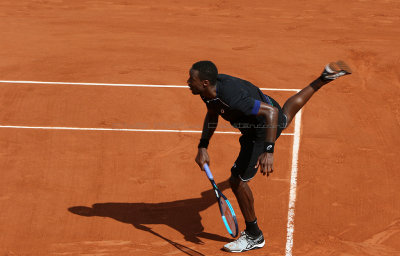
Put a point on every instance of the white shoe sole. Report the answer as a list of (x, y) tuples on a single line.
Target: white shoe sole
[(340, 66), (337, 69), (258, 246)]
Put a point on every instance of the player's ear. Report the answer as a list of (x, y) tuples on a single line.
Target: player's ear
[(206, 83)]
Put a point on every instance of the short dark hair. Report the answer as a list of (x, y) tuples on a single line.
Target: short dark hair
[(207, 70)]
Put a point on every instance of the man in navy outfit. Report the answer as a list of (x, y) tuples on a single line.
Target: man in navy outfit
[(261, 121)]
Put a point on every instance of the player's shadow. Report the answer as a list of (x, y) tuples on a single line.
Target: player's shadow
[(181, 215)]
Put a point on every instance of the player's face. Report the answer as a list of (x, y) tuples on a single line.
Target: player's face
[(194, 82)]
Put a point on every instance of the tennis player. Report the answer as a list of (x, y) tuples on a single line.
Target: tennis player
[(261, 121)]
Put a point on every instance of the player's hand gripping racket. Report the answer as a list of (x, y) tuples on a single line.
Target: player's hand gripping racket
[(227, 213)]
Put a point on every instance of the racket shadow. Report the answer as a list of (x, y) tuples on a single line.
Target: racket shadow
[(180, 247), (181, 215)]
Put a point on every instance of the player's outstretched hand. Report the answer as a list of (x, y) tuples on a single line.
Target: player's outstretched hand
[(265, 162), (202, 158)]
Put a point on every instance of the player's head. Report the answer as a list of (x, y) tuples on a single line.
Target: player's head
[(207, 71), (201, 75)]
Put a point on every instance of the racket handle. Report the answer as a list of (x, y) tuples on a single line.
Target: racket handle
[(208, 172)]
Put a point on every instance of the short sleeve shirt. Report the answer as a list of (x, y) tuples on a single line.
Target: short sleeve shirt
[(238, 101)]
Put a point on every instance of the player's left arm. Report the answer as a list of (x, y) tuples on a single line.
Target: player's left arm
[(265, 160)]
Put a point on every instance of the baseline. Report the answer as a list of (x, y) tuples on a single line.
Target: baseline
[(124, 85)]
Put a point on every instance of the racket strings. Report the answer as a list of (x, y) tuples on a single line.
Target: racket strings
[(229, 216)]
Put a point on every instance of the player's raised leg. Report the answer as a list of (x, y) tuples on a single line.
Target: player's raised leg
[(331, 72)]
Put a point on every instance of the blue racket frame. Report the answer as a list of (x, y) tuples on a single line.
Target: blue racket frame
[(219, 194)]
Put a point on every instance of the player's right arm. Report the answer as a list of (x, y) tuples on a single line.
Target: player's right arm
[(209, 126)]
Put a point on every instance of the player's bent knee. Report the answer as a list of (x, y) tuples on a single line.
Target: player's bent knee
[(236, 183), (232, 180)]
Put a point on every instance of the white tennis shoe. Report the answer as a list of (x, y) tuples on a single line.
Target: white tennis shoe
[(245, 243)]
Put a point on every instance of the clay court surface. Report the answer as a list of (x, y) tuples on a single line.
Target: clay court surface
[(112, 192)]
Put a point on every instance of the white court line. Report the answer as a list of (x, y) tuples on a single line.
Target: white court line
[(114, 129), (124, 85), (293, 185)]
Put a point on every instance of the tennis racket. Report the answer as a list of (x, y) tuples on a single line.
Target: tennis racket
[(227, 212)]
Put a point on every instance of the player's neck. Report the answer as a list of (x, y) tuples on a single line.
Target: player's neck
[(211, 92)]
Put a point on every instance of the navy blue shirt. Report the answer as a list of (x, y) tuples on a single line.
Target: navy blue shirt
[(238, 101)]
